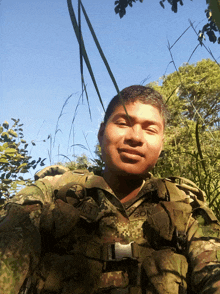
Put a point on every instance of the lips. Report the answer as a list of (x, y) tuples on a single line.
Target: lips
[(131, 151)]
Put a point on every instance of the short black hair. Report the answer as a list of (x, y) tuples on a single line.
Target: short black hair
[(138, 93)]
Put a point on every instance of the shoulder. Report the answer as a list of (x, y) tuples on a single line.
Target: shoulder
[(177, 189), (180, 189), (59, 175), (51, 170), (188, 189), (47, 181)]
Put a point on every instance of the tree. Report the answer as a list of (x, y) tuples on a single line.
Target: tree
[(212, 14), (98, 163), (14, 159), (197, 88), (82, 162), (192, 145)]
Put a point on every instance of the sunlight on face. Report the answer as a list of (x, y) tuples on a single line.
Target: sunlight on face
[(132, 145)]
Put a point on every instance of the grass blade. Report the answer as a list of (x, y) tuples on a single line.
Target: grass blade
[(84, 53), (199, 147), (102, 54)]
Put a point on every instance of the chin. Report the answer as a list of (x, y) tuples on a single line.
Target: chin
[(135, 172)]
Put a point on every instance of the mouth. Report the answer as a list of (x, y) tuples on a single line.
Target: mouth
[(131, 151)]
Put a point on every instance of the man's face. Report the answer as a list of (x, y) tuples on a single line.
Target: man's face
[(132, 146)]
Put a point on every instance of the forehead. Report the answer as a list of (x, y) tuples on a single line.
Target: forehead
[(139, 112)]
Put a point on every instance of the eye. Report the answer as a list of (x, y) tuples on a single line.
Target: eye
[(151, 130), (121, 123)]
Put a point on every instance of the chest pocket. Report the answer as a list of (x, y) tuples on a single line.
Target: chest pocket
[(162, 224), (164, 271), (166, 224)]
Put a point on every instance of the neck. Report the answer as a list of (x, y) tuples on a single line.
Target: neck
[(124, 187)]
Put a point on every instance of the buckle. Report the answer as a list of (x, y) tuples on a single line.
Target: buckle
[(120, 251)]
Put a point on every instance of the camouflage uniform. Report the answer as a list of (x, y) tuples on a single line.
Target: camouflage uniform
[(70, 234)]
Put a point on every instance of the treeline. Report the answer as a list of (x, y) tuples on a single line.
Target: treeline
[(192, 141)]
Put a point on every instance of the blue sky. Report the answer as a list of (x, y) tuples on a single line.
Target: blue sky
[(40, 62)]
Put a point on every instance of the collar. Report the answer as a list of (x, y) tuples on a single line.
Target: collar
[(94, 181)]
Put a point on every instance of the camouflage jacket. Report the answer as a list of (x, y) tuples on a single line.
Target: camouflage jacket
[(69, 233)]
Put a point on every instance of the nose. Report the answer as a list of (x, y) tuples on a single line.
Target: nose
[(135, 136)]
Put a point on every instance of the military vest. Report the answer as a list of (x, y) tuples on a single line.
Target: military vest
[(135, 248)]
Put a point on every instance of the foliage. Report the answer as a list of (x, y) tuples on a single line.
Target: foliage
[(14, 159), (213, 24), (98, 163), (121, 5), (212, 14), (197, 88), (82, 162), (192, 140)]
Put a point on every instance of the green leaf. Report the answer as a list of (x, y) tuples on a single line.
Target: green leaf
[(6, 181), (5, 124), (12, 133), (42, 162), (10, 150), (39, 159), (2, 176), (8, 175), (5, 135), (22, 165), (23, 170), (3, 160), (214, 6)]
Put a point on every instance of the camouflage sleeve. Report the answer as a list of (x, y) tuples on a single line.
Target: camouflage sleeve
[(41, 192), (20, 241), (204, 252)]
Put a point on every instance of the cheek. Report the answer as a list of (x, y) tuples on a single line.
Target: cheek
[(112, 137), (106, 147), (154, 145), (110, 145)]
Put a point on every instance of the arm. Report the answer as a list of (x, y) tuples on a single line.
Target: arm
[(204, 252), (20, 242)]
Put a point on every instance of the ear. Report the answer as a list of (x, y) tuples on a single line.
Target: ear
[(101, 133)]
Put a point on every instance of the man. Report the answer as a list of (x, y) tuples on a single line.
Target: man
[(125, 232)]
